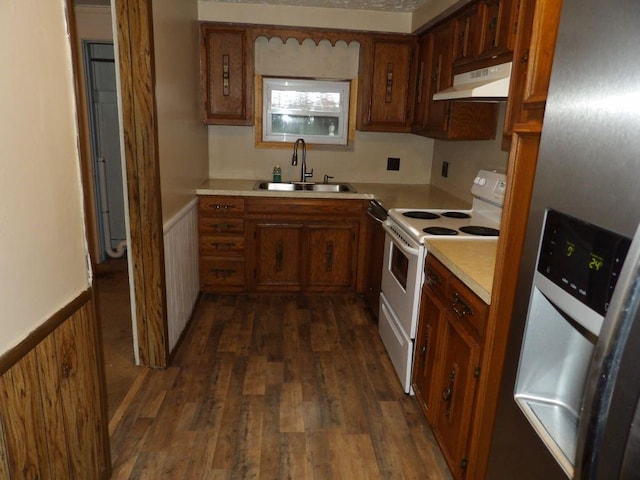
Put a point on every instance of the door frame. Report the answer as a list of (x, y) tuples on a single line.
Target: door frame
[(133, 28)]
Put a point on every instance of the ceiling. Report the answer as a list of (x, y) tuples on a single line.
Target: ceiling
[(397, 6)]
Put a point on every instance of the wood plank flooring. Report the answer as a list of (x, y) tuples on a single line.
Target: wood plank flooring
[(114, 308), (276, 387)]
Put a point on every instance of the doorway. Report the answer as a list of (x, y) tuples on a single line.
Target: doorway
[(105, 145), (111, 269)]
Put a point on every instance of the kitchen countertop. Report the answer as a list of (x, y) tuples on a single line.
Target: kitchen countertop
[(472, 261), (389, 194)]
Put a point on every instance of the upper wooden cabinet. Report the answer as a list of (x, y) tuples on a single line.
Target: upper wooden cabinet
[(226, 69), (497, 27), (445, 119), (465, 35), (385, 97), (484, 34), (538, 22)]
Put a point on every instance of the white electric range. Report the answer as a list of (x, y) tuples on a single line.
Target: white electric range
[(404, 256)]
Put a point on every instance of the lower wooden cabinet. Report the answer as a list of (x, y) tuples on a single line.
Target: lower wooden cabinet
[(447, 362), (280, 244), (277, 255), (301, 254), (221, 230)]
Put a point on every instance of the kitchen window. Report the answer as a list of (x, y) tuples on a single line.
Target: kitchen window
[(314, 110)]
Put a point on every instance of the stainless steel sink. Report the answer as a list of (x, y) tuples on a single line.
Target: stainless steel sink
[(278, 187), (305, 187)]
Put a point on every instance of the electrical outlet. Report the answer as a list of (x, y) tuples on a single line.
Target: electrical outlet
[(445, 169), (393, 163)]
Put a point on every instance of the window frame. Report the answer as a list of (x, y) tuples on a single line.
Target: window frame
[(341, 86)]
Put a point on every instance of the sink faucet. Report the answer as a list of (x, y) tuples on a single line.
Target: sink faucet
[(294, 160)]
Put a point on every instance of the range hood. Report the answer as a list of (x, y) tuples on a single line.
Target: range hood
[(485, 84)]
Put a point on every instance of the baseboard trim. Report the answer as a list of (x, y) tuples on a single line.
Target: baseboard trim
[(15, 354)]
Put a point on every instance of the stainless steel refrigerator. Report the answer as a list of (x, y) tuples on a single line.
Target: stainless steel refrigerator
[(568, 404)]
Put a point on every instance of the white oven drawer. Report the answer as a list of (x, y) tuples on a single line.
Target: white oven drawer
[(398, 344)]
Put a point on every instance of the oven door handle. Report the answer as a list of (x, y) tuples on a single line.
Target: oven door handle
[(408, 249)]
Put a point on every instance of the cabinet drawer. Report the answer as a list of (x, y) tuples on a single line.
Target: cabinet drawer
[(221, 245), (214, 206), (221, 225), (467, 306), (436, 275), (222, 272)]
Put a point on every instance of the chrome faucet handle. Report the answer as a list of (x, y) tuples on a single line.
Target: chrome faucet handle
[(308, 174), (326, 179)]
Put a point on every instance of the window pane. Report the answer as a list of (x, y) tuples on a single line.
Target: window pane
[(304, 124), (306, 101), (315, 110)]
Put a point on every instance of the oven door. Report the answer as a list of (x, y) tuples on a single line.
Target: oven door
[(402, 277)]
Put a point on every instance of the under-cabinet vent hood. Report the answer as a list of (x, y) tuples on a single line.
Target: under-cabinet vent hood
[(485, 84)]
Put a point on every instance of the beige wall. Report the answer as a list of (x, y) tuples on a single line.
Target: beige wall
[(232, 151), (43, 264), (465, 159), (182, 137)]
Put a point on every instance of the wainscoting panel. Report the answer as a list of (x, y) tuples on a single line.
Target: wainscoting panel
[(53, 417), (181, 269)]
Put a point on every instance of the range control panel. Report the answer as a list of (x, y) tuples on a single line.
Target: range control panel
[(490, 185)]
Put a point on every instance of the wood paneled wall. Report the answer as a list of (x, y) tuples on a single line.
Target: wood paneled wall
[(53, 412)]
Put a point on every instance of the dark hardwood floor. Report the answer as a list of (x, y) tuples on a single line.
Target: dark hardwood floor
[(276, 387), (114, 310)]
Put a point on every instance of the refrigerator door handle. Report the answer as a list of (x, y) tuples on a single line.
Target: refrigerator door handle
[(595, 433)]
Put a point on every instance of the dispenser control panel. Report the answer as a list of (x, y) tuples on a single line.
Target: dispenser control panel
[(583, 259)]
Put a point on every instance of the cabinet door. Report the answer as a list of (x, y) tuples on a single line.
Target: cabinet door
[(226, 64), (331, 255), (457, 390), (440, 78), (427, 366), (497, 33), (388, 106), (277, 256), (465, 41), (423, 84)]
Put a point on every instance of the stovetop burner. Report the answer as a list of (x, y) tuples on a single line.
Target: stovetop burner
[(422, 215), (456, 215), (439, 231), (481, 231)]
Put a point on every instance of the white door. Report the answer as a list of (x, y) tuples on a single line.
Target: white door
[(101, 77)]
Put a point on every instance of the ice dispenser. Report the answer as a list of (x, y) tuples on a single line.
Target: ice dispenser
[(577, 268)]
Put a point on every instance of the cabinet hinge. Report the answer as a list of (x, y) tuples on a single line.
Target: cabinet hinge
[(476, 373)]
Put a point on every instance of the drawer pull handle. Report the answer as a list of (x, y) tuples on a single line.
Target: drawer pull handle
[(222, 246), (460, 308), (221, 227), (223, 273)]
